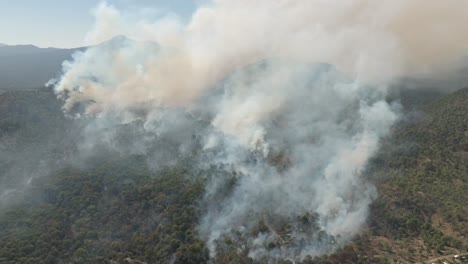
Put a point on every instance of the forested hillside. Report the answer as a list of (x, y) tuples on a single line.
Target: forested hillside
[(55, 211), (422, 176), (117, 209)]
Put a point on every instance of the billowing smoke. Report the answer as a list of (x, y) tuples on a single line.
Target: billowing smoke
[(293, 93)]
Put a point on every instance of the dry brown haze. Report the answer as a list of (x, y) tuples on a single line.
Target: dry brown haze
[(333, 123), (370, 40)]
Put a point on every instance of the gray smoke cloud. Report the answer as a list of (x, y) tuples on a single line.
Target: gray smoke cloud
[(294, 93)]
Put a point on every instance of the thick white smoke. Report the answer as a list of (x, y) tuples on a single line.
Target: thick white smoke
[(295, 132)]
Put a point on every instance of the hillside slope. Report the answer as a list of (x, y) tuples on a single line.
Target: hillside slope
[(422, 177), (117, 207)]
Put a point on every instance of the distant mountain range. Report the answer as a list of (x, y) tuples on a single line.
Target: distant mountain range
[(28, 66), (24, 67)]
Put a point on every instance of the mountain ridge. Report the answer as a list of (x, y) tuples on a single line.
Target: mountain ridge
[(39, 64)]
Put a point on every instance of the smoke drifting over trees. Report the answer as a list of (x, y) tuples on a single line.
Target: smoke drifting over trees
[(283, 102)]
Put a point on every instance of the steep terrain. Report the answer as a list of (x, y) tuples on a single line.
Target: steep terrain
[(55, 210), (117, 209), (32, 132), (422, 176)]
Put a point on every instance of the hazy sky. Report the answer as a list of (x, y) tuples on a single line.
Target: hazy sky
[(64, 23)]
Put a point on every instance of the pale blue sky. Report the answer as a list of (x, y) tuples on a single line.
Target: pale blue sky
[(64, 23)]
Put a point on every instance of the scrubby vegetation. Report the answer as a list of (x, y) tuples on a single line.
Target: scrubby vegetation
[(422, 176), (118, 210), (111, 212)]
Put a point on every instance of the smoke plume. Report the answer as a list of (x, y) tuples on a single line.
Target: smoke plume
[(294, 93)]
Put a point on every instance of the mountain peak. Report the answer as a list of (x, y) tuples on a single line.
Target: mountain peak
[(119, 39), (25, 46), (20, 46)]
